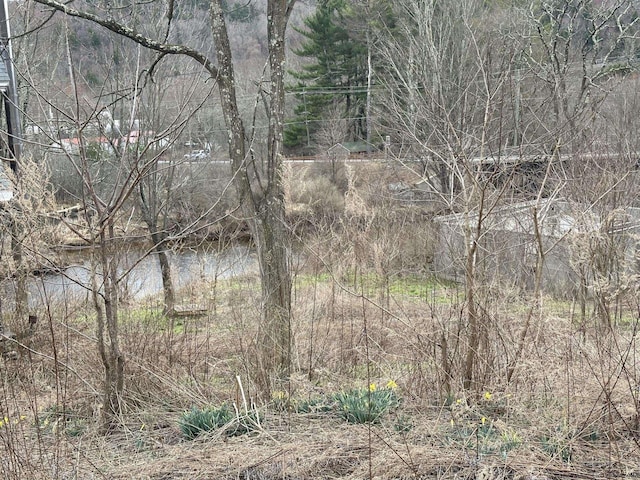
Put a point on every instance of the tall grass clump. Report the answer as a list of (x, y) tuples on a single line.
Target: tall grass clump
[(367, 405), (196, 421)]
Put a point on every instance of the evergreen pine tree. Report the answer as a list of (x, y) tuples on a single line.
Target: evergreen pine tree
[(337, 75)]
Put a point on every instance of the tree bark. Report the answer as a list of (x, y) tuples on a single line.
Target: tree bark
[(274, 350), (115, 381), (108, 345), (159, 240), (472, 314), (159, 246), (263, 205), (21, 294)]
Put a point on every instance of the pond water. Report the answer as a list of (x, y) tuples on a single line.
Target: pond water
[(205, 263)]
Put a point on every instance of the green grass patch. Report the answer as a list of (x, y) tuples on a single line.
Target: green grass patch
[(311, 280), (424, 287), (142, 315)]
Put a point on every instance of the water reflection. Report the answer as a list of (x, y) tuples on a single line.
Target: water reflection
[(188, 266)]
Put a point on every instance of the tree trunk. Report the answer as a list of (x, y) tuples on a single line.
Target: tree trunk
[(159, 248), (472, 314), (165, 271), (158, 237), (263, 205), (473, 235), (274, 353), (21, 295), (106, 307)]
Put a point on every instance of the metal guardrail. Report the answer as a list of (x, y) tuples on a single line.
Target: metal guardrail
[(354, 157)]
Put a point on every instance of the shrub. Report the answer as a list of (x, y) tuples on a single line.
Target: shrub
[(320, 195)]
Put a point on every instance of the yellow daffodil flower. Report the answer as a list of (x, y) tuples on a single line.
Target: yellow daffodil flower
[(487, 395), (279, 395), (391, 385)]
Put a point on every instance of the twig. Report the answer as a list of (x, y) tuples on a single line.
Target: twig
[(244, 398)]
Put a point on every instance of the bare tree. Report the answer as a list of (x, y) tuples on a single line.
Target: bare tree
[(482, 118), (259, 183), (443, 89), (581, 56), (114, 162), (21, 224)]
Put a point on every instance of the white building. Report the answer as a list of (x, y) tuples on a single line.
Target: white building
[(581, 245)]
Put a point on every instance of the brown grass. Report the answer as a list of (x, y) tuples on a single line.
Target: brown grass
[(575, 394)]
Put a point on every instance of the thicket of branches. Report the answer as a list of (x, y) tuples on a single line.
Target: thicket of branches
[(491, 246)]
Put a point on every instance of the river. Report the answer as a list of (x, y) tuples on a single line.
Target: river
[(189, 265)]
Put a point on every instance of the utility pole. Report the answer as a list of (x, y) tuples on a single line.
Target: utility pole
[(10, 97), (306, 115), (14, 141), (369, 79)]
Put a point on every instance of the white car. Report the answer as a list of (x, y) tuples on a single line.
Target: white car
[(197, 155)]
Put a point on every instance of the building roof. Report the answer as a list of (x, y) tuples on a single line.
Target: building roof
[(349, 147), (6, 189), (356, 147)]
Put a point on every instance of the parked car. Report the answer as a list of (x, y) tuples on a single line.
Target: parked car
[(197, 155)]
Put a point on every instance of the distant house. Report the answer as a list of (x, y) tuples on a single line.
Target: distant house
[(71, 146), (6, 188), (357, 147), (68, 145), (338, 153), (144, 137), (4, 78), (343, 150)]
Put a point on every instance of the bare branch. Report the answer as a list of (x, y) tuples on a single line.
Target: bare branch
[(131, 34)]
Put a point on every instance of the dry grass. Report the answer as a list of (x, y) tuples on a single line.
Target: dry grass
[(570, 412)]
